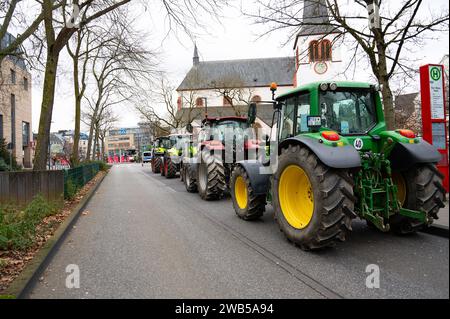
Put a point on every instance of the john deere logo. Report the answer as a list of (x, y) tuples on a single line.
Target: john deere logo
[(435, 73)]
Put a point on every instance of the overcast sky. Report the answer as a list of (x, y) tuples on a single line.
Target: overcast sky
[(234, 38)]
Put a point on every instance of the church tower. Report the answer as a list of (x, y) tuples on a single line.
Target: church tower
[(318, 56), (196, 58)]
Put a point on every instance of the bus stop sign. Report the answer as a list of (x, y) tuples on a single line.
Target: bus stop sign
[(434, 119)]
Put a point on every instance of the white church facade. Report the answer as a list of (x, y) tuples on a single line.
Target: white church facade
[(226, 88)]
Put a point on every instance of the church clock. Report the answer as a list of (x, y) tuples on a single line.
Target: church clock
[(320, 67)]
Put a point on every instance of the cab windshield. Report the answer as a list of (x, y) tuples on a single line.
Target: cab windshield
[(178, 141), (219, 128), (348, 111)]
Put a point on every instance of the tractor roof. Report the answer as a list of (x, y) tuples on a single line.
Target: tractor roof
[(314, 85)]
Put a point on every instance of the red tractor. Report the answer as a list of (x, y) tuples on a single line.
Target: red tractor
[(222, 142)]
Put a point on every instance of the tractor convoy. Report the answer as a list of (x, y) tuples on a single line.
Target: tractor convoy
[(330, 159), (167, 153)]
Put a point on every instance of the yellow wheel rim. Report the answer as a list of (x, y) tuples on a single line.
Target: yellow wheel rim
[(240, 192), (399, 181), (296, 196)]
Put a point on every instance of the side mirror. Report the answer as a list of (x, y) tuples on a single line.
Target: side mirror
[(189, 128), (251, 117)]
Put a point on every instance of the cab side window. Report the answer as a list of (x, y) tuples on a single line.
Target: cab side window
[(288, 119), (303, 108)]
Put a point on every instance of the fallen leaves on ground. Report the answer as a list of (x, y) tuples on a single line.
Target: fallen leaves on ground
[(12, 262)]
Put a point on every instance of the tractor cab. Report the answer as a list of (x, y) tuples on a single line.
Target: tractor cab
[(159, 145), (216, 128), (176, 143), (348, 113)]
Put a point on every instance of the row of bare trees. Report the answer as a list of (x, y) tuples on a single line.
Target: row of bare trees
[(103, 45), (167, 111), (111, 54)]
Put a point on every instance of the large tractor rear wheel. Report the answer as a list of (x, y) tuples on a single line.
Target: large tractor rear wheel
[(211, 182), (181, 172), (419, 188), (156, 164), (163, 167), (170, 168), (247, 205), (190, 179), (313, 203)]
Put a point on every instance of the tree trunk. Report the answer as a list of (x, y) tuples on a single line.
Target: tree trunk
[(48, 94), (383, 79), (388, 103), (93, 149), (95, 153), (102, 138), (76, 137), (91, 134)]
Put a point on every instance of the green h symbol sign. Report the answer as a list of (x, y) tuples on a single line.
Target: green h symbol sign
[(435, 73)]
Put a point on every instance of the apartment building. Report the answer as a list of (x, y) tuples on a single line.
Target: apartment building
[(15, 106)]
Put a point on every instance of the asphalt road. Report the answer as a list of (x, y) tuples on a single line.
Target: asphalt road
[(145, 237)]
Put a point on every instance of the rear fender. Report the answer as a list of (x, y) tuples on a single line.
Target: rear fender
[(259, 182), (337, 157), (404, 155)]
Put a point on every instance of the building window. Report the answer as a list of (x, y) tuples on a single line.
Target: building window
[(25, 84), (13, 120), (313, 51), (325, 49), (179, 102), (25, 133), (320, 51), (199, 102), (13, 76)]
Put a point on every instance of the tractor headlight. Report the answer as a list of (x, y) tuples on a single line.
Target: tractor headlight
[(333, 86), (324, 86)]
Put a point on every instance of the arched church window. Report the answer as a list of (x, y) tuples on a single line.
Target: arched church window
[(314, 51), (325, 48), (320, 50)]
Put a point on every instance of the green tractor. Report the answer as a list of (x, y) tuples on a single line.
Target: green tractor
[(160, 145), (333, 160), (172, 160)]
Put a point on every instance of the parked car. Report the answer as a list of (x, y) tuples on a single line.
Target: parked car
[(147, 157)]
